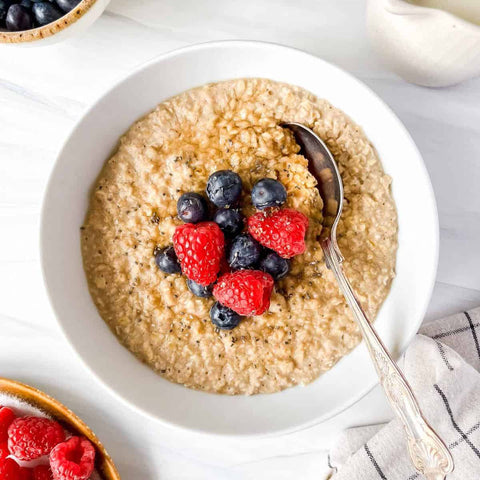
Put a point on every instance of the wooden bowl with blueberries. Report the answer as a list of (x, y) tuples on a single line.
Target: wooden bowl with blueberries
[(42, 22)]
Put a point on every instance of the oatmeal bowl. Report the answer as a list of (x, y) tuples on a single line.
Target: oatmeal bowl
[(179, 239)]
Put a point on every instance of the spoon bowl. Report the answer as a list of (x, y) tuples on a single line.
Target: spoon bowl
[(322, 166)]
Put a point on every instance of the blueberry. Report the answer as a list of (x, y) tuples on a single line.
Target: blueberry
[(230, 221), (46, 12), (275, 265), (166, 260), (67, 5), (268, 193), (4, 4), (244, 252), (18, 18), (192, 208), (199, 290), (26, 3), (223, 317), (224, 188)]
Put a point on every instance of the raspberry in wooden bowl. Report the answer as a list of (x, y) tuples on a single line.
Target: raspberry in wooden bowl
[(41, 439)]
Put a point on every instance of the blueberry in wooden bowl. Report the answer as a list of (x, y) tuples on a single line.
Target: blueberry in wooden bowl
[(41, 22)]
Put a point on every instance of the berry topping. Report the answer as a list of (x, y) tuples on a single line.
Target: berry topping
[(9, 470), (166, 260), (224, 188), (6, 418), (280, 230), (268, 193), (275, 265), (18, 18), (42, 472), (244, 252), (199, 290), (46, 12), (230, 221), (199, 249), (73, 459), (224, 267), (223, 317), (192, 208), (33, 437), (246, 292)]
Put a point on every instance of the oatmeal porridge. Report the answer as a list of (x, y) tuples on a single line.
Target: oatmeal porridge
[(234, 125)]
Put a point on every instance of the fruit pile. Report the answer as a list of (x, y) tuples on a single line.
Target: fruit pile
[(20, 15), (23, 439), (218, 258)]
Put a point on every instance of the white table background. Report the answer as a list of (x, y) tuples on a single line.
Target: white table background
[(42, 94)]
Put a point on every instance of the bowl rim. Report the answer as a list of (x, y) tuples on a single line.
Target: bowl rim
[(45, 31), (59, 411), (434, 246)]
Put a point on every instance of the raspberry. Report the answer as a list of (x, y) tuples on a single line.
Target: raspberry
[(4, 453), (33, 437), (199, 248), (9, 470), (25, 473), (73, 459), (42, 472), (246, 292), (6, 418), (280, 230)]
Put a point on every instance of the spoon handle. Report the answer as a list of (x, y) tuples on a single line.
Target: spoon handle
[(427, 451)]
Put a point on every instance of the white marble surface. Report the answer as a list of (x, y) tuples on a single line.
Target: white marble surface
[(44, 91)]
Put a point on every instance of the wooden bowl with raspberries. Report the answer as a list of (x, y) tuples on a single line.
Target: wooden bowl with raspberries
[(41, 439)]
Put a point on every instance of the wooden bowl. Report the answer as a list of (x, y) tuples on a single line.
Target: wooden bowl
[(103, 463), (79, 18)]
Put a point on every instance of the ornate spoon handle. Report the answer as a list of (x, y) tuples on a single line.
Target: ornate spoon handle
[(429, 454)]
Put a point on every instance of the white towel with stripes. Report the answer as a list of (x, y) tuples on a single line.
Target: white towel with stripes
[(442, 365)]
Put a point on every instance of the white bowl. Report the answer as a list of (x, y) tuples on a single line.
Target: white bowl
[(66, 201)]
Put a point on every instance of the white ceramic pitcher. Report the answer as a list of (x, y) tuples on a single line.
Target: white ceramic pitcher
[(427, 46)]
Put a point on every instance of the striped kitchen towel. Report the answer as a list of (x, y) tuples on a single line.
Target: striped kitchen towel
[(442, 365)]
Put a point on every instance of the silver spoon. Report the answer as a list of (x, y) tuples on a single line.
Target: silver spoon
[(427, 451)]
